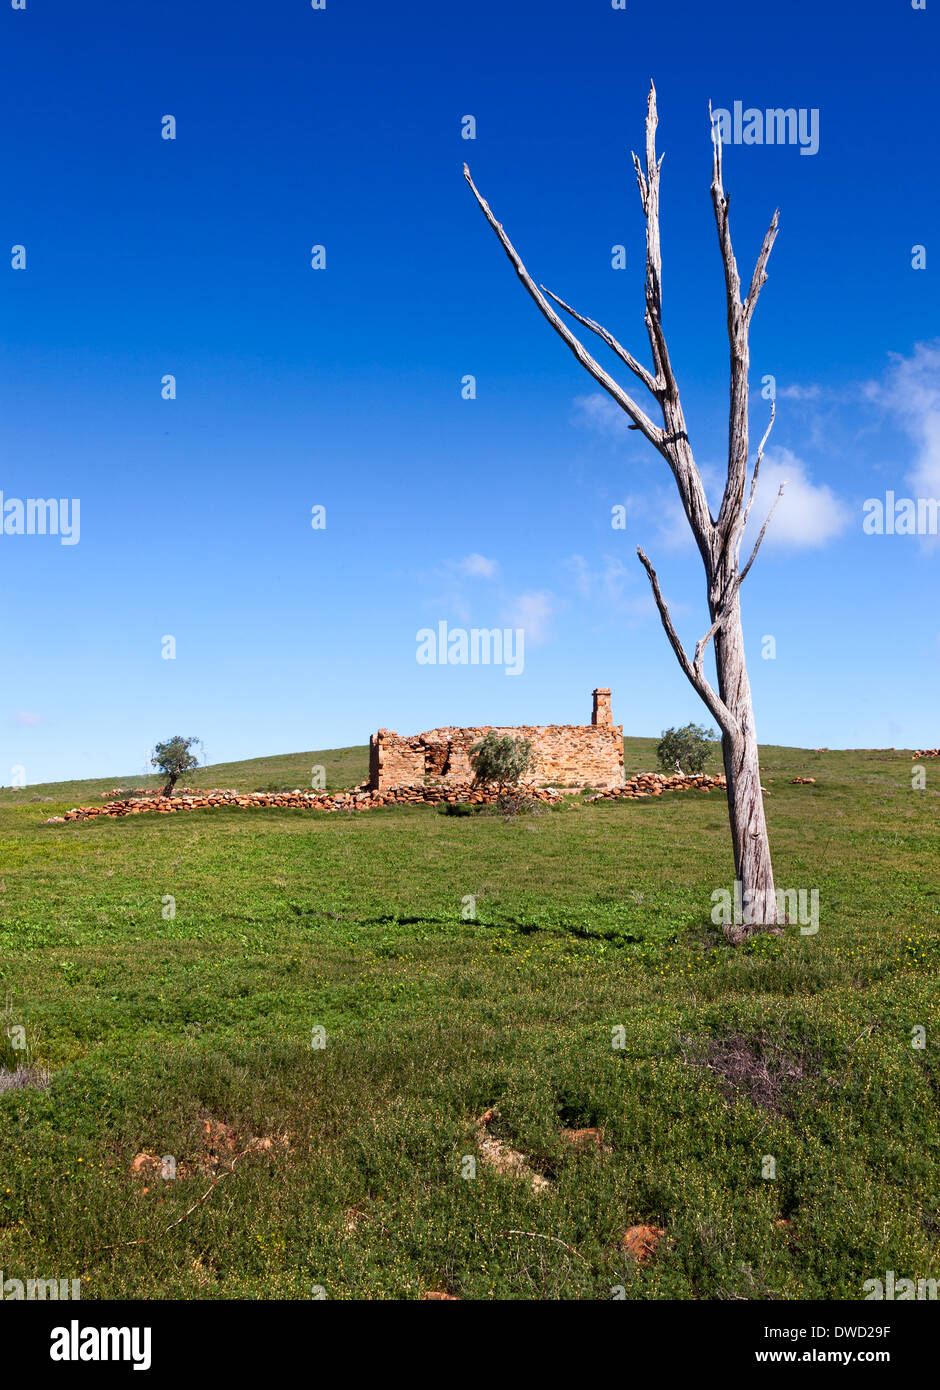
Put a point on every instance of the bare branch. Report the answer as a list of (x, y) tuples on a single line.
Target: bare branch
[(694, 673), (737, 315), (688, 480), (644, 189), (753, 492), (647, 378), (742, 575), (653, 433), (722, 607), (649, 196), (759, 278), (701, 645), (721, 203)]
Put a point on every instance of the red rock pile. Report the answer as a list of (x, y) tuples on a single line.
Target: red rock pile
[(926, 753), (361, 799), (356, 800), (655, 783), (803, 782)]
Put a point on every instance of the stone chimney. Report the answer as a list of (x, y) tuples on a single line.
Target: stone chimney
[(601, 715)]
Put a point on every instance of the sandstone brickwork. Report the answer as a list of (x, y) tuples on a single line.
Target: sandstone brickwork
[(564, 755)]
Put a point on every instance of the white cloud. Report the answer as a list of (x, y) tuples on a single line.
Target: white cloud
[(606, 584), (26, 720), (809, 514), (600, 413), (532, 611), (477, 566), (910, 391), (658, 505), (452, 592), (800, 393), (657, 515)]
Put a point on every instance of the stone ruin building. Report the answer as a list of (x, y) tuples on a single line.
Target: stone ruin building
[(564, 755)]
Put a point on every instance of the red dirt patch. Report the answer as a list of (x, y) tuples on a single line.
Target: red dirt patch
[(585, 1138), (640, 1242), (221, 1145), (497, 1154)]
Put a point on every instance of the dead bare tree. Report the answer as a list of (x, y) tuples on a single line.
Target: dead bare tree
[(718, 540)]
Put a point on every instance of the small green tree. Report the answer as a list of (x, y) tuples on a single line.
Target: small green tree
[(687, 749), (173, 758), (500, 759)]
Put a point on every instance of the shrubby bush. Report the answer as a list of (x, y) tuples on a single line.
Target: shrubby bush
[(500, 758), (687, 749), (173, 758)]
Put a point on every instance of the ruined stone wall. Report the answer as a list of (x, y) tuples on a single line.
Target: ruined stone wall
[(572, 755), (395, 761)]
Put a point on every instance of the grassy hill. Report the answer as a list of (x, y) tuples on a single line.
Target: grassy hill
[(170, 972), (348, 767), (344, 767)]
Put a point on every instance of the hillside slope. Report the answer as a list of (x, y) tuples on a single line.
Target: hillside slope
[(348, 767)]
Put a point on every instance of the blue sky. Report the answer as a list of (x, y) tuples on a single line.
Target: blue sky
[(341, 387)]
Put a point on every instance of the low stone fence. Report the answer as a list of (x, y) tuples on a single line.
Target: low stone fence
[(655, 783), (361, 799), (357, 800)]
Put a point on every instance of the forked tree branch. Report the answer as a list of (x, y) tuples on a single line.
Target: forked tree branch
[(672, 440), (739, 319), (682, 462), (694, 673), (637, 368), (722, 609), (653, 432), (759, 278), (738, 578), (753, 492), (703, 642), (721, 204), (719, 542), (743, 574), (759, 460)]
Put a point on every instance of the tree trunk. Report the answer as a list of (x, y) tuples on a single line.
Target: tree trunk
[(750, 843), (719, 541)]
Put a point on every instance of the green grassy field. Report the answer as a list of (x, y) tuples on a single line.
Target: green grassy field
[(190, 1036), (344, 767)]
